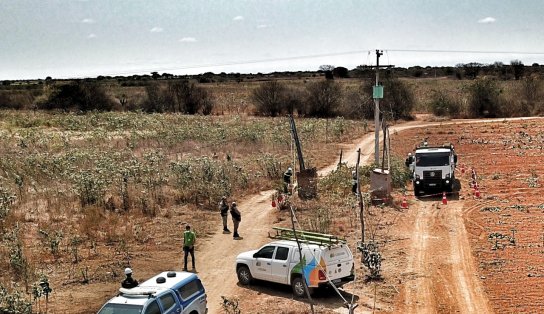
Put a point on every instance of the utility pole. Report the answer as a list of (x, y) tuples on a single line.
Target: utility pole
[(360, 197), (292, 211), (377, 110), (377, 94)]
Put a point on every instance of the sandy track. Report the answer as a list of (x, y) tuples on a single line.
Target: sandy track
[(441, 271), (217, 256), (441, 267)]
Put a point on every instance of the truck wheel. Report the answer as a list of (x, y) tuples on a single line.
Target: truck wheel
[(298, 287), (244, 275)]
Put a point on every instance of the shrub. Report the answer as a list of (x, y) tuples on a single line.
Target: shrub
[(397, 103), (156, 100), (269, 98), (443, 105), (6, 200), (398, 99), (17, 259), (186, 97), (358, 104), (323, 100), (484, 99), (74, 96), (13, 302)]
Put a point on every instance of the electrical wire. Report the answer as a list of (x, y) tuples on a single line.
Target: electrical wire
[(312, 56)]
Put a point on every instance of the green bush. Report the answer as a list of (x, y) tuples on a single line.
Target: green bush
[(13, 302), (397, 103), (443, 105), (269, 98), (76, 96), (324, 97), (484, 99)]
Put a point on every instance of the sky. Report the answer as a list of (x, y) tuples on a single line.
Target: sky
[(87, 38)]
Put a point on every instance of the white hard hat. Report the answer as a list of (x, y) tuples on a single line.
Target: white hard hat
[(289, 169), (128, 271), (353, 171)]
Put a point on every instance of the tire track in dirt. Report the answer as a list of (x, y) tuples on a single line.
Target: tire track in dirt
[(216, 256)]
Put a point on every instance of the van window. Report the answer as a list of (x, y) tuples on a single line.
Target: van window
[(153, 308), (308, 255), (266, 252), (167, 301), (281, 253), (114, 308), (187, 291)]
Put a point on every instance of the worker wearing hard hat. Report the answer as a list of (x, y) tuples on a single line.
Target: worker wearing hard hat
[(287, 179), (129, 282)]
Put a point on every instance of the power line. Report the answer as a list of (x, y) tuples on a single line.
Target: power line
[(313, 56), (468, 51)]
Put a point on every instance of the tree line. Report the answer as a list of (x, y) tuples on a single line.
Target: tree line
[(324, 95)]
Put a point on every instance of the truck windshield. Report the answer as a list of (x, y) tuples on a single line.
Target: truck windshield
[(112, 308), (432, 159)]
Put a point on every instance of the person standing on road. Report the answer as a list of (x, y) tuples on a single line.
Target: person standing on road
[(189, 239), (236, 219), (129, 282), (354, 182), (224, 209)]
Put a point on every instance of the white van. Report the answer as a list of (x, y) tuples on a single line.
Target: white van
[(326, 260)]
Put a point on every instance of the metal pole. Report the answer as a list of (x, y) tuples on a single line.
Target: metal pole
[(300, 255), (360, 198)]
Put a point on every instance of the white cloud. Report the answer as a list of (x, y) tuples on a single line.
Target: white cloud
[(263, 26), (88, 21), (238, 18), (188, 40), (91, 36), (487, 20), (156, 29)]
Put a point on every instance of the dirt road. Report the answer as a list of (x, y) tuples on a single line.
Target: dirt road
[(441, 271), (440, 266)]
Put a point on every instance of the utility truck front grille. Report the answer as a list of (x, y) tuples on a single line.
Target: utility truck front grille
[(432, 177)]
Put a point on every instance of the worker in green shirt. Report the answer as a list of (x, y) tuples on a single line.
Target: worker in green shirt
[(189, 239)]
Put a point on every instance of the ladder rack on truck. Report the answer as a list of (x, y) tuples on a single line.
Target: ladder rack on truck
[(306, 236)]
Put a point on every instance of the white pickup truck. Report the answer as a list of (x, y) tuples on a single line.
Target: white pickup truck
[(325, 260)]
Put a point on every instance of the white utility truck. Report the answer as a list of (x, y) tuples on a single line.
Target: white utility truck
[(326, 260), (432, 168)]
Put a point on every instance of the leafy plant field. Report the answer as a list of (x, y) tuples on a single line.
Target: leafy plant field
[(82, 196)]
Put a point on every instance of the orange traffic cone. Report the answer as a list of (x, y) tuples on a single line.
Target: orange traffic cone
[(444, 199), (462, 169), (273, 203), (404, 203), (477, 192)]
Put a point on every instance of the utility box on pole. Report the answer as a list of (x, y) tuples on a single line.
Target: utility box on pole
[(380, 185), (377, 92)]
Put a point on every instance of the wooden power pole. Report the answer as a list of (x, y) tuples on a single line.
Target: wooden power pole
[(377, 94)]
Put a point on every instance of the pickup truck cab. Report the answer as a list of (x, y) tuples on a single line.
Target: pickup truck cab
[(322, 264), (166, 293)]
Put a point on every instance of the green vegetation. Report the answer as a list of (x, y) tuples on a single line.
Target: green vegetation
[(467, 90)]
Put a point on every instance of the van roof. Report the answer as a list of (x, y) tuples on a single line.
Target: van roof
[(140, 294), (304, 245), (173, 279)]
